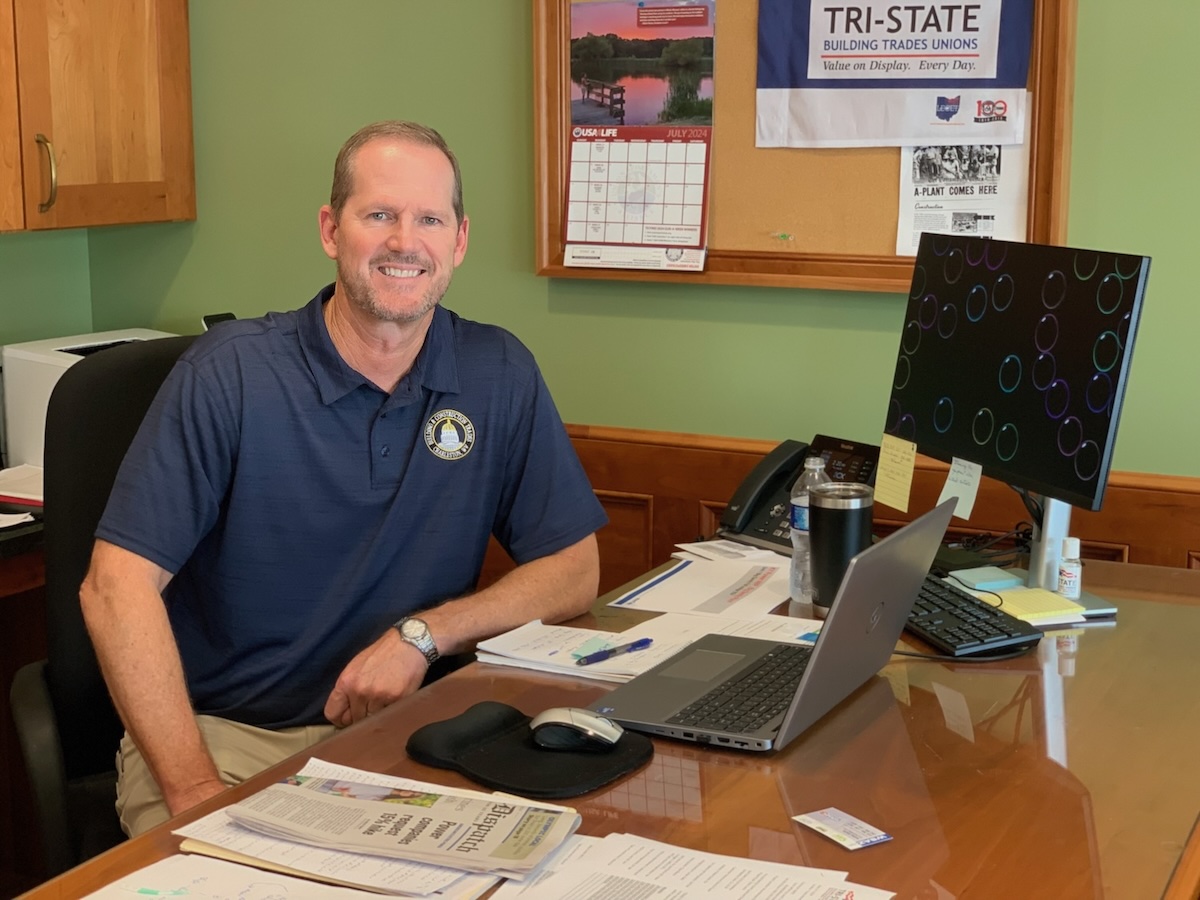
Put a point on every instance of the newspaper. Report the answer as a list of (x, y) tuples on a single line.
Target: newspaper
[(499, 835), (217, 835)]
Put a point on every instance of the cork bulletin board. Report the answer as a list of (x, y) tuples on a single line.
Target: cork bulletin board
[(840, 206)]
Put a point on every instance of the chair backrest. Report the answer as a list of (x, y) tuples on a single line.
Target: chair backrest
[(93, 414)]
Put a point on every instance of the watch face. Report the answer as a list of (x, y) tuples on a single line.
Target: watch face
[(413, 628)]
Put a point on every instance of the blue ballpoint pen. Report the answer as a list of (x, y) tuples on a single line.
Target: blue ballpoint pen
[(602, 655)]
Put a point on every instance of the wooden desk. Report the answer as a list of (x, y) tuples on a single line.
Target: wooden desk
[(996, 780)]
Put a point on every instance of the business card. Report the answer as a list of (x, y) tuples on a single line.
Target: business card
[(851, 833)]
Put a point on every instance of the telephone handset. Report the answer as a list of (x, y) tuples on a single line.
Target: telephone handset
[(759, 509)]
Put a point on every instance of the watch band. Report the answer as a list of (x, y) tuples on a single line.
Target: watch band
[(414, 631)]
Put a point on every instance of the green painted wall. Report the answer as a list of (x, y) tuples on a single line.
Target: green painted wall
[(278, 85), (44, 288)]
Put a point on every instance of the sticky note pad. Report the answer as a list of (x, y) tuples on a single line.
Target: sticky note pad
[(1036, 604), (985, 578)]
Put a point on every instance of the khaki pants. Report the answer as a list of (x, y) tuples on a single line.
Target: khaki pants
[(238, 750)]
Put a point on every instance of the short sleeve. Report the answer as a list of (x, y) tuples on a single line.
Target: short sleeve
[(168, 491), (547, 502)]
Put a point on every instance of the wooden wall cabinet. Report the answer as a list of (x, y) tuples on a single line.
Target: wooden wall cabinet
[(95, 113)]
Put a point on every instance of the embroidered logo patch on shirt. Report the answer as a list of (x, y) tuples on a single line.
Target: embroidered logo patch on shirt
[(449, 434)]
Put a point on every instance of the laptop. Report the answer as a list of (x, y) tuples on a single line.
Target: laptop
[(857, 639)]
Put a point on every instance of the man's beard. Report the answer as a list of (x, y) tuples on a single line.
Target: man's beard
[(363, 295)]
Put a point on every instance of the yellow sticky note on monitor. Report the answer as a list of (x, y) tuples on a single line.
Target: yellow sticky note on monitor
[(893, 476)]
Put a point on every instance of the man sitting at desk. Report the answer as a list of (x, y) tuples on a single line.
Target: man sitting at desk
[(307, 480)]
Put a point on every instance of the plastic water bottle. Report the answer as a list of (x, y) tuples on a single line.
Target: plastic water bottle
[(801, 574)]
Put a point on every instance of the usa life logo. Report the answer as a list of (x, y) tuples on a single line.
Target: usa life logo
[(947, 107), (991, 111)]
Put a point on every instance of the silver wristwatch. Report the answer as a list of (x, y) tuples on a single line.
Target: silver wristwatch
[(414, 631)]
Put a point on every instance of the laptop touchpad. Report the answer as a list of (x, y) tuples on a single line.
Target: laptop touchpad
[(703, 665)]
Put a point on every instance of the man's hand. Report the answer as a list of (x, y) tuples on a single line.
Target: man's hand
[(389, 669), (551, 588), (194, 795)]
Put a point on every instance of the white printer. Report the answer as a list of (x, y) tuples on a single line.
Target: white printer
[(30, 371)]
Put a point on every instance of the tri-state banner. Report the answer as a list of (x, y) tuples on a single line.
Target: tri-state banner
[(845, 73)]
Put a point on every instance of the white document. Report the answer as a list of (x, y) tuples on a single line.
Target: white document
[(22, 483), (215, 879), (554, 648), (719, 550), (7, 520), (981, 190), (745, 590), (217, 834), (623, 865)]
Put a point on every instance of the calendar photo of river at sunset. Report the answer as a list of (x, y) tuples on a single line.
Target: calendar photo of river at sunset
[(636, 64), (647, 97)]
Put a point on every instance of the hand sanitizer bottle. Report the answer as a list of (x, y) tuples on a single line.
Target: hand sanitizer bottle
[(1070, 570)]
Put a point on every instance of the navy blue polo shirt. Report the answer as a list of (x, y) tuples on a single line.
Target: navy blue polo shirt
[(303, 510)]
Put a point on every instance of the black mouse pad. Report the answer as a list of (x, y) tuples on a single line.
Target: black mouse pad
[(492, 745)]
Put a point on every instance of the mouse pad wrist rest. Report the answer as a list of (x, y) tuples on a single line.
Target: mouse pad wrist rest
[(492, 745)]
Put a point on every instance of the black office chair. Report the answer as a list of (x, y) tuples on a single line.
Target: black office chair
[(68, 729)]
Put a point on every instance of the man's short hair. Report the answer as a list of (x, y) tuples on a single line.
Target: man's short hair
[(343, 174)]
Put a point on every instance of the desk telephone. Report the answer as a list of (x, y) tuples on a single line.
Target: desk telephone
[(758, 512)]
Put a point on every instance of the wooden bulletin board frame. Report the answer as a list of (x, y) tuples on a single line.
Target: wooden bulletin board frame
[(846, 239)]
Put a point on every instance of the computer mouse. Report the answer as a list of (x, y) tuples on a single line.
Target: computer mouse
[(572, 728)]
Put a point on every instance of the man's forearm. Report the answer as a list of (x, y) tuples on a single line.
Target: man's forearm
[(553, 588), (127, 620)]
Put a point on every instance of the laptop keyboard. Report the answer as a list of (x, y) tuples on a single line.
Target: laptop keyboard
[(747, 702), (959, 624)]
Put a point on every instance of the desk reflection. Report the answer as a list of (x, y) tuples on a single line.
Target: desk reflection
[(964, 764), (964, 812)]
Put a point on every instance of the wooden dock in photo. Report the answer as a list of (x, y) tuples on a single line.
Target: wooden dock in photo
[(602, 104)]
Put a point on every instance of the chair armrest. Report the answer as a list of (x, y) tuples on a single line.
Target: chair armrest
[(37, 733)]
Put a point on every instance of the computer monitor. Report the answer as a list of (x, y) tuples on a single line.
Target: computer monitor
[(1015, 357)]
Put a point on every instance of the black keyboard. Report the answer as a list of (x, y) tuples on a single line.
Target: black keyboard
[(959, 624), (747, 702)]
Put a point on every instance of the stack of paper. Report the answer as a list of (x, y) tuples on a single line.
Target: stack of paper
[(727, 551), (198, 876), (743, 589), (555, 648), (623, 865), (496, 835), (220, 836), (21, 485)]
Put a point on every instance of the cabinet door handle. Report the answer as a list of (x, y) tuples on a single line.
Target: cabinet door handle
[(45, 141)]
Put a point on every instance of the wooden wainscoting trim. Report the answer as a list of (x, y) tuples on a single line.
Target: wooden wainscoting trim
[(1146, 518), (661, 488), (667, 439)]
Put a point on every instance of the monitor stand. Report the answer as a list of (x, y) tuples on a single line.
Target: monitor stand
[(1045, 550)]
